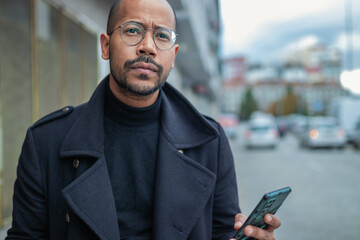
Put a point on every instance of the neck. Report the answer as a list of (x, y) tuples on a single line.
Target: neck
[(131, 99)]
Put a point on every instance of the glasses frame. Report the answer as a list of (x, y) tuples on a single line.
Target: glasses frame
[(143, 35)]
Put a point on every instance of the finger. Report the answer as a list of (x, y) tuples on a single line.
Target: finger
[(239, 221), (272, 221), (258, 233)]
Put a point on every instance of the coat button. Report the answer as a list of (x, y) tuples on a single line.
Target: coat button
[(76, 163), (181, 151), (67, 218)]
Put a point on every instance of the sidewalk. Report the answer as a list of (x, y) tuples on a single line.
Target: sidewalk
[(3, 232)]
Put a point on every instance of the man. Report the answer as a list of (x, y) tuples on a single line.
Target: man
[(137, 161)]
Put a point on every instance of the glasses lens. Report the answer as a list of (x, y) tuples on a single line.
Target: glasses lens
[(132, 33), (164, 38)]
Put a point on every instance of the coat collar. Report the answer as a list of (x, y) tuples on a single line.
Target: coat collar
[(183, 125), (86, 136)]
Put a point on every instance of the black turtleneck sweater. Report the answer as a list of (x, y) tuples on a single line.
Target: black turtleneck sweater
[(131, 137)]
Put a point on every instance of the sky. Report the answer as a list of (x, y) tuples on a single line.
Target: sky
[(265, 30)]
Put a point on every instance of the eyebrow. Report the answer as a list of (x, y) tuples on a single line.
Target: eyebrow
[(156, 26)]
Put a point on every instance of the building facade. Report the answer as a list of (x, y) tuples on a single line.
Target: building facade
[(314, 74)]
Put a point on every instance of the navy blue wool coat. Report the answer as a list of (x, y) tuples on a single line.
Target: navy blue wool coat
[(63, 190)]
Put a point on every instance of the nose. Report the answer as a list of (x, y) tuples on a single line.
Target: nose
[(147, 45)]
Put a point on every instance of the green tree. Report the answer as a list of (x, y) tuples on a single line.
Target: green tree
[(248, 104)]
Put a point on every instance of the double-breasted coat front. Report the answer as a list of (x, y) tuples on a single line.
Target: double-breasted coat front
[(63, 190)]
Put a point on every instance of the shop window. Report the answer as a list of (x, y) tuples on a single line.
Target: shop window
[(49, 60), (91, 61), (15, 89), (73, 62)]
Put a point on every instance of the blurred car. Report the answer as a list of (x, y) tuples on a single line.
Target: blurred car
[(260, 114), (323, 132), (298, 125), (229, 122), (356, 139), (283, 125), (261, 132)]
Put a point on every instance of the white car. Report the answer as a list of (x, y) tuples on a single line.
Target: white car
[(323, 132), (261, 132)]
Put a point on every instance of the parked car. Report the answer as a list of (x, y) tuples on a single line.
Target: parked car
[(229, 122), (261, 132), (298, 124), (283, 125), (323, 132), (357, 134)]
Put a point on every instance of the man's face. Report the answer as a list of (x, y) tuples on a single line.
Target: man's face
[(141, 69)]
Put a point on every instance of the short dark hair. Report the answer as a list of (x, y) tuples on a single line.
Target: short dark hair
[(113, 17)]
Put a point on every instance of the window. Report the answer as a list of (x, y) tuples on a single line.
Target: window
[(15, 89), (47, 60)]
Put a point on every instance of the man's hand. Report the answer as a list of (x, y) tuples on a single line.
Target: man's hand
[(272, 221)]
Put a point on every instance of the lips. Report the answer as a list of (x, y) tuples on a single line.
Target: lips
[(144, 67)]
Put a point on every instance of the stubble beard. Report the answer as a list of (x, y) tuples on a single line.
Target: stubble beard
[(138, 89)]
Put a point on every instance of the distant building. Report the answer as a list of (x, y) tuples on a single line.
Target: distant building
[(322, 64), (314, 73), (234, 74), (260, 74), (234, 70), (267, 93), (197, 72), (293, 74)]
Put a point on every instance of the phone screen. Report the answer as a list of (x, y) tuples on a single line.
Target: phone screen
[(270, 203)]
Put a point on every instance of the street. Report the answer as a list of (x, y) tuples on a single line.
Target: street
[(325, 199)]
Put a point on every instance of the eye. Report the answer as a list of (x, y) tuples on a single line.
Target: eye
[(163, 35), (132, 30)]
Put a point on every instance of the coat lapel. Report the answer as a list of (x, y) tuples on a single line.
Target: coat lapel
[(183, 188), (91, 198), (86, 136), (90, 195), (183, 185)]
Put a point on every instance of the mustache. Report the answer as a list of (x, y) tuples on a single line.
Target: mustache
[(145, 59)]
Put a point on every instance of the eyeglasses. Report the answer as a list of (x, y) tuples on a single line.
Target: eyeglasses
[(133, 33)]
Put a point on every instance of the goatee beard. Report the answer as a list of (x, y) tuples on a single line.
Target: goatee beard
[(135, 89)]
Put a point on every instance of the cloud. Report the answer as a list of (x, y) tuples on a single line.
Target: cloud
[(296, 45), (304, 43), (262, 29)]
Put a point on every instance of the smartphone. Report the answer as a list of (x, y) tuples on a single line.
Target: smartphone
[(269, 203)]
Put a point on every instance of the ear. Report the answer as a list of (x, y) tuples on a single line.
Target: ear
[(176, 49), (105, 45)]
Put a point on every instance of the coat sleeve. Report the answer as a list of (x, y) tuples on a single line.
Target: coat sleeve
[(226, 204), (29, 203)]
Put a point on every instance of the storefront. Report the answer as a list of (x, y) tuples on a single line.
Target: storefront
[(48, 59)]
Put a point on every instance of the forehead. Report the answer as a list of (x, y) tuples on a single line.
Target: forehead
[(148, 12)]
